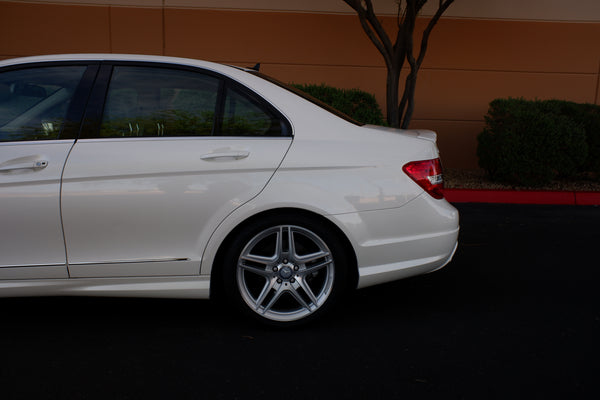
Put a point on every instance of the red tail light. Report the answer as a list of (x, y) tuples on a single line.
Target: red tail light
[(428, 175)]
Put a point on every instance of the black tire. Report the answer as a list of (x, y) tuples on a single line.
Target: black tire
[(285, 269)]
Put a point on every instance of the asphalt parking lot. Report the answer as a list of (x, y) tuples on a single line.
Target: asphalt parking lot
[(515, 315)]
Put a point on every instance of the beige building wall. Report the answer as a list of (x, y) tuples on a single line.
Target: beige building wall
[(479, 51)]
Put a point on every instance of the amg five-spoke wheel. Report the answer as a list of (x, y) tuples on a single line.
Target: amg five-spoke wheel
[(286, 272)]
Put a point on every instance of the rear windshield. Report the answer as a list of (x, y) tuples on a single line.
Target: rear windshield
[(306, 96)]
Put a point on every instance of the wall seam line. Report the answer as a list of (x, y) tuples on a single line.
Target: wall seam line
[(508, 71), (110, 28), (164, 30), (598, 82)]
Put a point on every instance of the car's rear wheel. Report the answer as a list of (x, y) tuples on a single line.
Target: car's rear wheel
[(285, 269)]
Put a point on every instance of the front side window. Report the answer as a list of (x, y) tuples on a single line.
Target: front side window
[(34, 101), (148, 101)]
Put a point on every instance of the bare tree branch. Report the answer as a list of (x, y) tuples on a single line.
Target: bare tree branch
[(377, 26), (444, 4), (398, 113), (373, 28)]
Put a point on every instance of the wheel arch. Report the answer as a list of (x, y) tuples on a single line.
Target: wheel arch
[(216, 279)]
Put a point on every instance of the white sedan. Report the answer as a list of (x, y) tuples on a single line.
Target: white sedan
[(127, 175)]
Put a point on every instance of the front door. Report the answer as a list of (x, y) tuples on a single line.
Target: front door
[(35, 103)]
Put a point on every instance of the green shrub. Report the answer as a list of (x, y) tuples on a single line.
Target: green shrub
[(588, 115), (591, 123), (355, 103), (530, 143)]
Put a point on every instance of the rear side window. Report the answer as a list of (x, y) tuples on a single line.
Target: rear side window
[(152, 101), (245, 115), (143, 101), (34, 101)]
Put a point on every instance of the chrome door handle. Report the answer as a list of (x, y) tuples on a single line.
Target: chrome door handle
[(235, 155), (35, 165)]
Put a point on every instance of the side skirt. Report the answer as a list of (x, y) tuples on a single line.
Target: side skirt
[(197, 287)]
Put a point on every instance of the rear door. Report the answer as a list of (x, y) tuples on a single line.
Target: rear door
[(40, 109), (166, 154)]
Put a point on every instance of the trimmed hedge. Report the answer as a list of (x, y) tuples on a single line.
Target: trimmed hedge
[(355, 103), (588, 115), (530, 143)]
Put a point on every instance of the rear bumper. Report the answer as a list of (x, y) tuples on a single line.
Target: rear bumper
[(369, 276), (417, 238)]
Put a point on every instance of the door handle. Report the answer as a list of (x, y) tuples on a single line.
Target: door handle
[(35, 165), (226, 155)]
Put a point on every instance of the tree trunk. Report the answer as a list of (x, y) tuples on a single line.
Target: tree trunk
[(408, 106), (392, 85)]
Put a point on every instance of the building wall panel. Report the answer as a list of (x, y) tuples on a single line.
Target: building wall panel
[(465, 95), (30, 29), (313, 39), (514, 46), (457, 140), (136, 30)]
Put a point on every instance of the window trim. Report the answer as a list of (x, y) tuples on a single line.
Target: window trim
[(92, 120)]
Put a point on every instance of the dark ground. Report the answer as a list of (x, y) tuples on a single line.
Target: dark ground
[(515, 315)]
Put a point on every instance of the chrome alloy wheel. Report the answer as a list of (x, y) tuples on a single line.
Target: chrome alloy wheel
[(285, 273)]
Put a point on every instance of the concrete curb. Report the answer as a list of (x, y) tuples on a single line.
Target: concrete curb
[(522, 197)]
